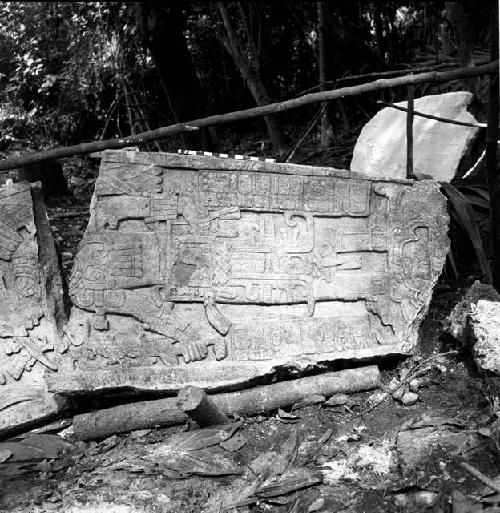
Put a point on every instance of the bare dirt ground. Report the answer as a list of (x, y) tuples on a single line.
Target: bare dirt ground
[(370, 453)]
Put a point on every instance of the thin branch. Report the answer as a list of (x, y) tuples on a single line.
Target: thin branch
[(484, 479), (256, 112), (307, 131), (387, 74), (437, 118)]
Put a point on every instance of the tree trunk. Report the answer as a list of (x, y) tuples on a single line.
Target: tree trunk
[(273, 123), (245, 58), (460, 16), (324, 68), (162, 26), (379, 30), (492, 170)]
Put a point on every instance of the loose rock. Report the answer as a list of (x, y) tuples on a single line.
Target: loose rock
[(413, 385), (457, 324), (399, 393), (316, 505), (425, 499), (485, 320), (409, 398)]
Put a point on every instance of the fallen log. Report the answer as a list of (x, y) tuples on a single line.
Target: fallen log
[(164, 412), (197, 404), (256, 112)]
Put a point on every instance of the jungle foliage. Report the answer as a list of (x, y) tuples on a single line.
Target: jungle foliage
[(78, 71)]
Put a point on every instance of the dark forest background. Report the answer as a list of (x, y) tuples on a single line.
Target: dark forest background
[(84, 71)]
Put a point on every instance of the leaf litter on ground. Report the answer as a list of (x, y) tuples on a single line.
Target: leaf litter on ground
[(271, 477), (189, 453), (20, 455)]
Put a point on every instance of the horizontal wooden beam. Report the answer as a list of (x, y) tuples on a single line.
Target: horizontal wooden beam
[(256, 112)]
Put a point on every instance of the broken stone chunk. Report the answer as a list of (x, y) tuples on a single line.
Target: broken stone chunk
[(457, 323), (485, 325), (437, 147), (214, 272)]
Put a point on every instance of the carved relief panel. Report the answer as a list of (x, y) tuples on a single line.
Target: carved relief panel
[(29, 345), (212, 272)]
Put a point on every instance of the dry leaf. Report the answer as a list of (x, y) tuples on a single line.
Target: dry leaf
[(187, 453), (35, 447), (309, 401), (235, 443), (5, 454)]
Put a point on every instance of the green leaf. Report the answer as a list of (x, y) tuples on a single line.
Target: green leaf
[(461, 210)]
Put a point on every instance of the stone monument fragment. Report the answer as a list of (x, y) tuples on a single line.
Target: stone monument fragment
[(30, 306), (437, 147), (211, 272)]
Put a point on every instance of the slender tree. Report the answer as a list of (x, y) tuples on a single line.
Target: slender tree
[(491, 152), (239, 43), (460, 15), (325, 47), (162, 28)]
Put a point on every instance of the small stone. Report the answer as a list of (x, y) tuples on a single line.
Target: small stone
[(409, 398), (399, 393), (414, 385), (425, 499), (400, 500), (337, 400), (316, 505), (393, 385)]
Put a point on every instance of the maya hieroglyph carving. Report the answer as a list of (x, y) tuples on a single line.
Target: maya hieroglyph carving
[(28, 335), (198, 270)]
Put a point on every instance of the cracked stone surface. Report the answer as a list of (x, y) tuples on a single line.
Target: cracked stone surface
[(212, 272)]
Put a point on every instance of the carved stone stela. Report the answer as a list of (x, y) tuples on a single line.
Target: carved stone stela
[(211, 272), (28, 335)]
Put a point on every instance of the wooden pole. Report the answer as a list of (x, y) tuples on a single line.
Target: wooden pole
[(491, 154), (164, 412), (195, 402), (256, 112), (409, 132)]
